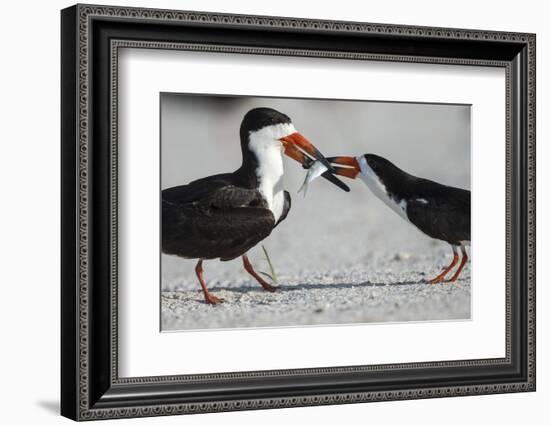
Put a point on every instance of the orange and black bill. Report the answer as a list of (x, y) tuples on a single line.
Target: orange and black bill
[(345, 166), (342, 165), (297, 147)]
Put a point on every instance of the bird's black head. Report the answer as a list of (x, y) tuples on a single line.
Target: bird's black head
[(258, 118), (380, 175), (265, 134), (378, 170), (383, 168)]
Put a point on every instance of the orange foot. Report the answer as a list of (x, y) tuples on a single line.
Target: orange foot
[(248, 267), (268, 287), (213, 300), (437, 280), (441, 277)]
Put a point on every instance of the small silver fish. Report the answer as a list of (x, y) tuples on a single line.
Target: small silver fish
[(316, 170)]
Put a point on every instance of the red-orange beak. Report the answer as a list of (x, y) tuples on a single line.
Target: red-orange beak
[(345, 166), (296, 146)]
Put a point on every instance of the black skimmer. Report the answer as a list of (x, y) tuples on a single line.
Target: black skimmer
[(225, 215), (439, 211)]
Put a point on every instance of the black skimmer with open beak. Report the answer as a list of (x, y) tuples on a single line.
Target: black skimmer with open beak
[(225, 215), (439, 211)]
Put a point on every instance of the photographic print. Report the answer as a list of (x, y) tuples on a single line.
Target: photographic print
[(299, 212)]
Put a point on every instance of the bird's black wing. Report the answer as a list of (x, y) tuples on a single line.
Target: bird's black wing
[(442, 213), (213, 219), (197, 190)]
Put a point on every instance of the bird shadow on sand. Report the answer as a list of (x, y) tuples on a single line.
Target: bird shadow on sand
[(305, 286), (297, 287), (345, 286)]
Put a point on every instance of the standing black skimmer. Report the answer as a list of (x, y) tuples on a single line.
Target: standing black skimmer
[(225, 215), (439, 211)]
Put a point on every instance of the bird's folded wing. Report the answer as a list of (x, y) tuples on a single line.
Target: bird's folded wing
[(233, 197), (194, 191), (214, 191), (446, 218), (208, 231)]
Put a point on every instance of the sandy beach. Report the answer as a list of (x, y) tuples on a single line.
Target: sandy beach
[(329, 297)]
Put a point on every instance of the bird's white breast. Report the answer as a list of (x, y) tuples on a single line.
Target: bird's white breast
[(374, 183), (268, 149)]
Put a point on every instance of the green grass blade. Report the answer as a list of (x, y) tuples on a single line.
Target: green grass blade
[(271, 268)]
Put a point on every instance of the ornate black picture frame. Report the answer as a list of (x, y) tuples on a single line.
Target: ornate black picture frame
[(91, 36)]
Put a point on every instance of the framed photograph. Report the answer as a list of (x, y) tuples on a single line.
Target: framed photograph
[(263, 212)]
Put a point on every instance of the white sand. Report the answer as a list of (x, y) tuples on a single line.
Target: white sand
[(308, 303)]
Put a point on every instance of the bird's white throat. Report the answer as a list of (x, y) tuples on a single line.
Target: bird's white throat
[(376, 185), (267, 148)]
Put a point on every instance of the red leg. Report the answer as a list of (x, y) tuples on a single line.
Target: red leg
[(248, 266), (441, 276), (210, 298), (462, 263)]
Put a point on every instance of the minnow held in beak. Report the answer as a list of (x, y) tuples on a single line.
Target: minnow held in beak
[(316, 170), (309, 164)]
